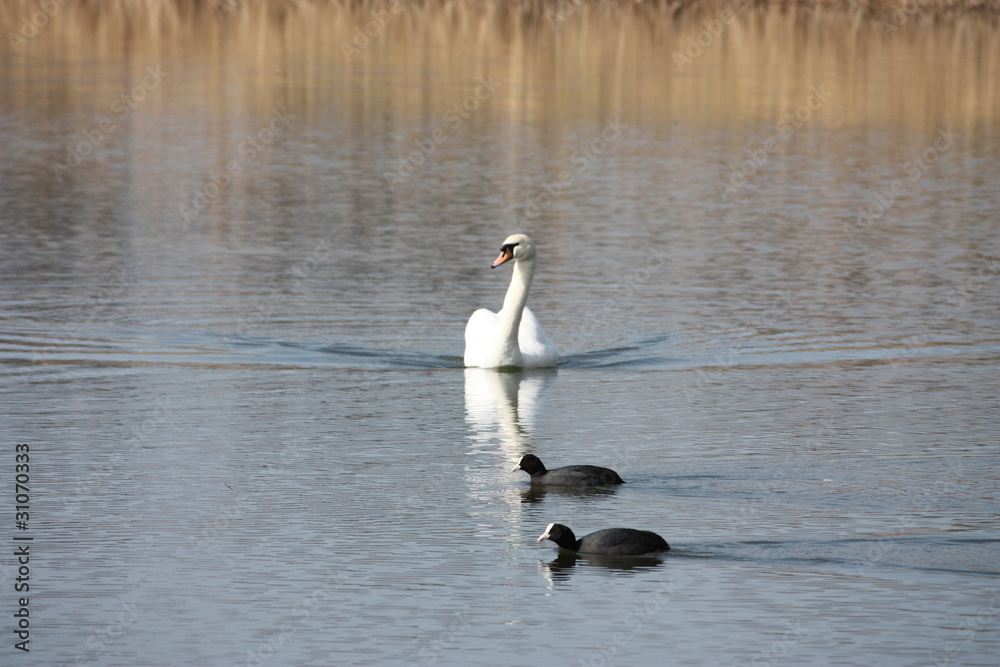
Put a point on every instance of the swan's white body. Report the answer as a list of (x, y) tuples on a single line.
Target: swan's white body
[(512, 337)]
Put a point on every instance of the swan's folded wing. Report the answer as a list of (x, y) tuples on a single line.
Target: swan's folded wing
[(536, 346), (479, 334), (481, 322)]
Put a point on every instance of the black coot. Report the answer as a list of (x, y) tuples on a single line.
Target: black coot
[(568, 475), (607, 542)]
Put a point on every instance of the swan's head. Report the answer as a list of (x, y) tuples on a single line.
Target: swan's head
[(515, 247)]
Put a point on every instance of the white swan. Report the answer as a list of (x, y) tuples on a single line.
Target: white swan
[(512, 337)]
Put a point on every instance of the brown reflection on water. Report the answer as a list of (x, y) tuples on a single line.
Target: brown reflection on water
[(243, 57)]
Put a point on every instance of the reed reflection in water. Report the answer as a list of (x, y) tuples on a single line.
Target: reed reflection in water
[(601, 60), (536, 102)]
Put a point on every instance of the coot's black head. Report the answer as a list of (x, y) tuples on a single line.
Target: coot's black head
[(530, 464), (559, 534)]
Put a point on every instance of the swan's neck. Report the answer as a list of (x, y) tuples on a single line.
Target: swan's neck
[(517, 297)]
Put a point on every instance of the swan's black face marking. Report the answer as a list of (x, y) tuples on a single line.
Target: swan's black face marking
[(506, 254)]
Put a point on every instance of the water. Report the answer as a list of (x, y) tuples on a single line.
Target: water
[(253, 442)]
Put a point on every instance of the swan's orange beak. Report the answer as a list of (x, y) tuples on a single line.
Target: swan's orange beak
[(506, 254)]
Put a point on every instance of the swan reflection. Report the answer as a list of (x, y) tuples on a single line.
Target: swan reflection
[(501, 409), (504, 406)]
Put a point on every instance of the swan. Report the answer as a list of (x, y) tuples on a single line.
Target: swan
[(512, 337)]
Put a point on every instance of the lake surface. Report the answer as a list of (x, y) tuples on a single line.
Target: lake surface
[(238, 247)]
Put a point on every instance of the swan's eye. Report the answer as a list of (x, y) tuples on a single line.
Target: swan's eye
[(509, 247)]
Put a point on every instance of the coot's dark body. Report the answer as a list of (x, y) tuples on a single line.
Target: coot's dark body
[(567, 475), (607, 542)]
